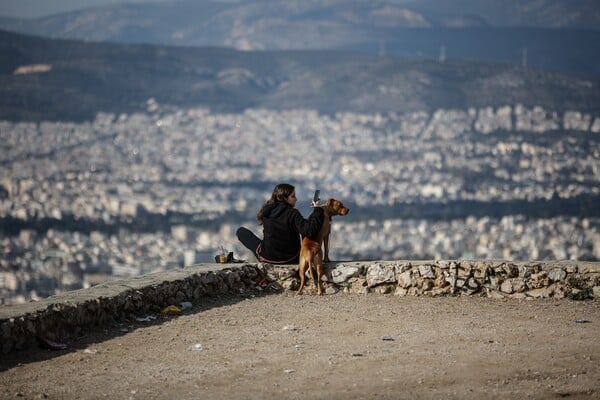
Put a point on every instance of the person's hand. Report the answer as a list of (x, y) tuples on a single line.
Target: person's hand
[(315, 203)]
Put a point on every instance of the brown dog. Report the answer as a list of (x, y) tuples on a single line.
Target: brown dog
[(311, 253)]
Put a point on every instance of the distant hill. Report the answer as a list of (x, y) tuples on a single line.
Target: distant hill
[(556, 35), (44, 79)]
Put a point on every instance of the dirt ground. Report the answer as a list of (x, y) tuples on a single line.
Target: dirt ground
[(337, 346)]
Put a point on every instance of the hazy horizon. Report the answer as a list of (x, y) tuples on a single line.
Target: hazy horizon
[(43, 8)]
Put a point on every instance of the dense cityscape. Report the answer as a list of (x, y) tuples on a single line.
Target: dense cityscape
[(75, 198)]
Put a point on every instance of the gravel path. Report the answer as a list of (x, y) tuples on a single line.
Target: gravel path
[(338, 346)]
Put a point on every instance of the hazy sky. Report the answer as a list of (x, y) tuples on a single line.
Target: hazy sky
[(40, 8)]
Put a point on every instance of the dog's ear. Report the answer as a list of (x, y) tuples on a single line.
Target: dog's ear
[(329, 202)]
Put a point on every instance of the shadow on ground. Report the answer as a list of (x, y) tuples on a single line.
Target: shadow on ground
[(43, 350)]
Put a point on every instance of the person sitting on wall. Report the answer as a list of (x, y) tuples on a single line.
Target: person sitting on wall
[(283, 226)]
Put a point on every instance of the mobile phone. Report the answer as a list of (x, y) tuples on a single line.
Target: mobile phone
[(316, 196)]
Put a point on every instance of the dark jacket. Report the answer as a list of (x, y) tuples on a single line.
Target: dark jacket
[(282, 227)]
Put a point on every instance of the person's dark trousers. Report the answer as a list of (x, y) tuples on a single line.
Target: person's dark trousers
[(248, 239)]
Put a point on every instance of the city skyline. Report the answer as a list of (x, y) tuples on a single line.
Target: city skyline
[(129, 194)]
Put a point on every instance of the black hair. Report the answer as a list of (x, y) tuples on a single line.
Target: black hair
[(281, 192)]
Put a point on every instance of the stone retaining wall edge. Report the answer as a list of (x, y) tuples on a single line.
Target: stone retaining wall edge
[(62, 317)]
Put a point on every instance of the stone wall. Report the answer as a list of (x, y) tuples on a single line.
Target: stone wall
[(65, 316), (495, 279)]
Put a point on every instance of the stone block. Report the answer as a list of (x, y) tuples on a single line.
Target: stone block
[(342, 273), (557, 274), (449, 279), (378, 274), (405, 279), (446, 264), (427, 284), (400, 268), (464, 271), (198, 293), (539, 280), (426, 271), (290, 284), (510, 270), (480, 271), (383, 289), (440, 280), (514, 285), (525, 271), (179, 297), (559, 290), (208, 278), (539, 275), (331, 290), (519, 285), (470, 286), (507, 287), (358, 285)]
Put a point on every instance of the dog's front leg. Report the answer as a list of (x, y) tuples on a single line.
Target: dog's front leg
[(326, 248)]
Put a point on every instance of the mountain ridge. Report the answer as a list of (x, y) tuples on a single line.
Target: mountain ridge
[(83, 78), (555, 35), (583, 14)]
